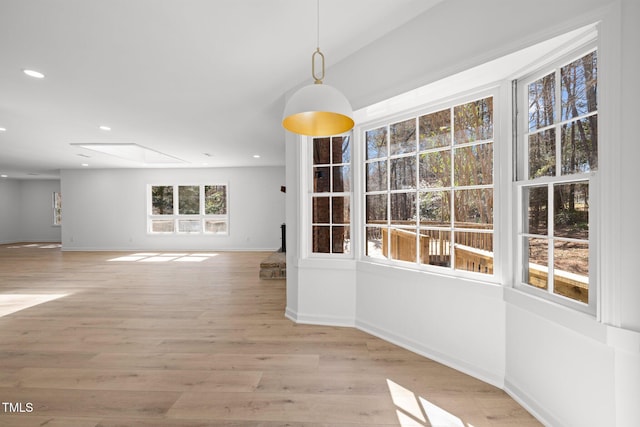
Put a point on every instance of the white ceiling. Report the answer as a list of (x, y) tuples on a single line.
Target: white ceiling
[(182, 77)]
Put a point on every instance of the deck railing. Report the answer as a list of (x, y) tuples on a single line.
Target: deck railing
[(435, 250)]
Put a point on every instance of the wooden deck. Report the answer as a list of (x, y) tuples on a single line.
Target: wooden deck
[(436, 251), (197, 339)]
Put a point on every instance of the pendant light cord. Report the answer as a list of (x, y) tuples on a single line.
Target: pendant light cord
[(317, 79), (318, 24)]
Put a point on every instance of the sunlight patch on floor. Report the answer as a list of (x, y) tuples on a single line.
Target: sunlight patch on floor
[(164, 257), (36, 245), (11, 303), (416, 411)]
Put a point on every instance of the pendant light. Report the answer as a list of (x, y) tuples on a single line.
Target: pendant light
[(318, 109)]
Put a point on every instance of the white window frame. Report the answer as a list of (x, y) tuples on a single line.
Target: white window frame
[(310, 194), (201, 217), (522, 181), (497, 92)]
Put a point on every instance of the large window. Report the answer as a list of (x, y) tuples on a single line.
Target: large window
[(188, 209), (331, 195), (557, 159), (429, 188)]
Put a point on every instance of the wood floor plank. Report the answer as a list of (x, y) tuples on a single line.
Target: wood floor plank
[(112, 339), (330, 408), (138, 380)]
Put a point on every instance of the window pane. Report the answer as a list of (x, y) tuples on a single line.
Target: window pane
[(542, 98), (341, 240), (162, 200), (189, 225), (321, 180), (403, 137), (435, 208), (579, 87), (571, 210), (57, 200), (215, 199), (536, 267), (320, 210), (435, 247), (474, 165), (342, 178), (435, 169), (571, 270), (376, 208), (377, 176), (376, 242), (162, 226), (340, 210), (474, 206), (403, 173), (215, 226), (321, 240), (341, 150), (537, 200), (57, 208), (473, 121), (321, 150), (377, 143), (474, 252), (542, 154), (580, 145), (403, 208), (403, 244), (435, 130), (188, 200)]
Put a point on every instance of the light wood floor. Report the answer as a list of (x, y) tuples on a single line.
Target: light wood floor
[(190, 341)]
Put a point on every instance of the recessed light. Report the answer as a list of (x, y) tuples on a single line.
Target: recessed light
[(33, 73), (105, 128), (4, 176), (85, 164), (3, 129), (256, 156)]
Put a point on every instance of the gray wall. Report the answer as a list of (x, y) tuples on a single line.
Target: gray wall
[(26, 211), (107, 209)]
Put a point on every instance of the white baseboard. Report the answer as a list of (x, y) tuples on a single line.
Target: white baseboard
[(531, 405), (309, 319), (495, 379)]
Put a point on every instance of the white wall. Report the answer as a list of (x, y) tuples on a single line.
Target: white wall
[(629, 249), (26, 213), (107, 209), (457, 322), (36, 211), (292, 215), (10, 197), (568, 368)]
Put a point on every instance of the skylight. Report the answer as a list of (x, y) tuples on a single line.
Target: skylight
[(133, 152)]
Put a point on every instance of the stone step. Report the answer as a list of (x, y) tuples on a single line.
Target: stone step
[(274, 266)]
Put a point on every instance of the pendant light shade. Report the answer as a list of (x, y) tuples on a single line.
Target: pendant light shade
[(318, 110)]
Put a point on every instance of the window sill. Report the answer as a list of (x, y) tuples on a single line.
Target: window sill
[(470, 286), (327, 264)]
